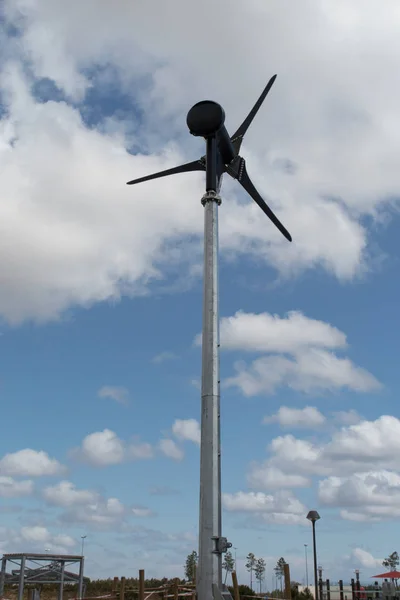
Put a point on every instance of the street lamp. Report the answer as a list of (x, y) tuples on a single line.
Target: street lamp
[(83, 538), (357, 572), (313, 516), (305, 553)]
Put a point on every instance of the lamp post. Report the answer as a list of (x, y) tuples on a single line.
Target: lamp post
[(357, 572), (306, 557), (235, 549), (83, 538), (313, 516)]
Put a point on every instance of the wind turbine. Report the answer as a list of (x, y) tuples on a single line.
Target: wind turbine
[(206, 119)]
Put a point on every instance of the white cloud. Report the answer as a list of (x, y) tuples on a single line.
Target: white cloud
[(117, 393), (140, 450), (196, 382), (163, 357), (290, 449), (82, 506), (10, 488), (369, 441), (291, 463), (358, 517), (65, 540), (355, 461), (187, 429), (265, 477), (101, 514), (114, 506), (356, 471), (94, 242), (65, 494), (264, 332), (349, 417), (141, 511), (372, 494), (104, 448), (281, 507), (308, 417), (29, 463), (81, 249), (171, 449), (37, 536), (364, 559), (311, 371), (305, 361)]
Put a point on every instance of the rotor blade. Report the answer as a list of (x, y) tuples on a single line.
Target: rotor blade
[(196, 165), (246, 182), (237, 137)]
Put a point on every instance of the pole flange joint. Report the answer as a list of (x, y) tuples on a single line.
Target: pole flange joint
[(211, 196), (221, 545)]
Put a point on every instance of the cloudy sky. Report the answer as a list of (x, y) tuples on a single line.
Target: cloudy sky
[(100, 283)]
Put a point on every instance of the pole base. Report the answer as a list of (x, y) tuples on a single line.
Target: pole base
[(223, 594)]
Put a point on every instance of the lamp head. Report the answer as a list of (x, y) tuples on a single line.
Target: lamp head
[(313, 516)]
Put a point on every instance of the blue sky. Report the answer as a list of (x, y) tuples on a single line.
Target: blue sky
[(101, 285)]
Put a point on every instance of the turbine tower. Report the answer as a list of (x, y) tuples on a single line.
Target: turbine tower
[(206, 119)]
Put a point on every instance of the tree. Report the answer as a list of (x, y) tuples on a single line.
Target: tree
[(306, 595), (190, 566), (228, 564), (244, 590), (279, 569), (250, 564), (259, 571), (391, 562)]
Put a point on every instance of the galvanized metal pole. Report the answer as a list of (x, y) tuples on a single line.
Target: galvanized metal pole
[(306, 555), (21, 578), (80, 582), (315, 562), (61, 588), (3, 575), (209, 570)]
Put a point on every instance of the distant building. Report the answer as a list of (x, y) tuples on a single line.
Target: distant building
[(335, 592)]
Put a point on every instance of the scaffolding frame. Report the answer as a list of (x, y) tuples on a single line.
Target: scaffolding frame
[(48, 569)]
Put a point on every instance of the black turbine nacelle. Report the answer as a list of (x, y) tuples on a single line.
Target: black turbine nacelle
[(207, 119)]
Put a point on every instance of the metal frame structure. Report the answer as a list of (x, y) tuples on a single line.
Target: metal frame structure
[(313, 516), (206, 119), (38, 569)]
